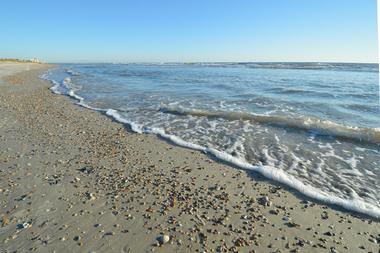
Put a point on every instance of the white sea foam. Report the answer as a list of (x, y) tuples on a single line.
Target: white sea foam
[(281, 176), (72, 72), (270, 172), (55, 87), (115, 114)]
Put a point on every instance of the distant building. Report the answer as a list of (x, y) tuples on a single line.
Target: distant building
[(35, 60)]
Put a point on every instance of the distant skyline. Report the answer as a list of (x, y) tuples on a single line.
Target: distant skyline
[(190, 31)]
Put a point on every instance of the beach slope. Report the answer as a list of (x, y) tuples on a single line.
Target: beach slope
[(73, 180)]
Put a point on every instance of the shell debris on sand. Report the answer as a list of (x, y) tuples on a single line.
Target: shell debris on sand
[(265, 201), (23, 225), (163, 238), (148, 193), (4, 220)]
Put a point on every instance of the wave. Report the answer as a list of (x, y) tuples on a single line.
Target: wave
[(354, 204), (72, 72), (301, 92), (355, 67), (307, 123), (329, 66)]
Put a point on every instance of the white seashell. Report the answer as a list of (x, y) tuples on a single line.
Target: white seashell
[(23, 225), (162, 239)]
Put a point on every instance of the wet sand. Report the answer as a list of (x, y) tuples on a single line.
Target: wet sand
[(73, 180)]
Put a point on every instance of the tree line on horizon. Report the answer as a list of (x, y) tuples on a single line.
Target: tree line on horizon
[(34, 60)]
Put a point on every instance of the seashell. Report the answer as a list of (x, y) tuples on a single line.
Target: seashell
[(162, 239), (23, 225), (91, 196)]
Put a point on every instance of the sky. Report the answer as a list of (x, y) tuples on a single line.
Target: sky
[(189, 31)]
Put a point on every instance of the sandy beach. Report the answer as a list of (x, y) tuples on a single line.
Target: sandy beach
[(73, 180)]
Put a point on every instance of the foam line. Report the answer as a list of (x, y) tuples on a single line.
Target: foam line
[(354, 204), (115, 114)]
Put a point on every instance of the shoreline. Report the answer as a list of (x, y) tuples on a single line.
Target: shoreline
[(138, 186), (272, 174)]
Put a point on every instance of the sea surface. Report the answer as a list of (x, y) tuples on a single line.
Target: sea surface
[(312, 126)]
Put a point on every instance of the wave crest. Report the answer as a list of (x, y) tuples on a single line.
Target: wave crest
[(306, 123)]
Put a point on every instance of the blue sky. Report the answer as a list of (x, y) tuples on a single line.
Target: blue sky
[(197, 30)]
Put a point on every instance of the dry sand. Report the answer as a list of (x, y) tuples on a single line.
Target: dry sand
[(72, 180)]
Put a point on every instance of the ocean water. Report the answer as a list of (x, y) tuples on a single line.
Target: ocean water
[(312, 126)]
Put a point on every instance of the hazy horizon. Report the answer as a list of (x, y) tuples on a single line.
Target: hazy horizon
[(173, 62)]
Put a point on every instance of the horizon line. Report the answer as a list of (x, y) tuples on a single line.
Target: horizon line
[(192, 62)]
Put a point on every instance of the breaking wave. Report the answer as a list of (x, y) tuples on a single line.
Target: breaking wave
[(307, 123)]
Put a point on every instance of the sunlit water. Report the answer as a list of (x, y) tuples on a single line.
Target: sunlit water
[(317, 124)]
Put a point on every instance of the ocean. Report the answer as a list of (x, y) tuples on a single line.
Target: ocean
[(312, 126)]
